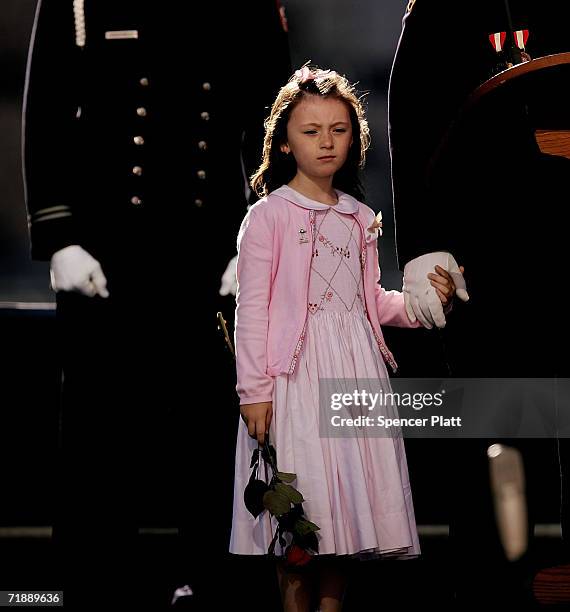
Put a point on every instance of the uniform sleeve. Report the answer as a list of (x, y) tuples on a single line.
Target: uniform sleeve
[(254, 265), (423, 100), (49, 119), (269, 67)]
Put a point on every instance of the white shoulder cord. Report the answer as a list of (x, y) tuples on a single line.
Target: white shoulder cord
[(79, 15)]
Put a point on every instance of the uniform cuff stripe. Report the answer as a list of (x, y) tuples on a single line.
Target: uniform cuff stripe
[(51, 209), (59, 215)]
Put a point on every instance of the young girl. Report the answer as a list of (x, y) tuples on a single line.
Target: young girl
[(309, 306)]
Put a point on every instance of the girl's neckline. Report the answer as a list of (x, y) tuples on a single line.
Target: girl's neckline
[(337, 193), (345, 203)]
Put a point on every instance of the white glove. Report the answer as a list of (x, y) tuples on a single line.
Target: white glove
[(73, 269), (229, 278), (420, 297)]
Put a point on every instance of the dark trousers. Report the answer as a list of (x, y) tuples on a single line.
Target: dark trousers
[(147, 431), (499, 342)]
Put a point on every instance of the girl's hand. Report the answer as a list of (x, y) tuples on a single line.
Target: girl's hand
[(444, 285), (257, 417)]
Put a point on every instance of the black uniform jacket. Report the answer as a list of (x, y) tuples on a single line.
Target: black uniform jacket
[(142, 121), (479, 195), (488, 196)]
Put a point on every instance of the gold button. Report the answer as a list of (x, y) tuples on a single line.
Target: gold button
[(137, 170), (144, 82), (201, 174), (202, 145), (205, 116), (136, 201), (141, 111), (206, 86), (198, 203), (139, 140)]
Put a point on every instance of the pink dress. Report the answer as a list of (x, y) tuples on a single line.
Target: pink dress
[(356, 489)]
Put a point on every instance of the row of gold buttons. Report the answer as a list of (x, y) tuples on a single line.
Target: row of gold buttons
[(203, 145), (139, 141)]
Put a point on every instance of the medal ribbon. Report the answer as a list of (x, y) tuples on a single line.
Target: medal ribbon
[(498, 40)]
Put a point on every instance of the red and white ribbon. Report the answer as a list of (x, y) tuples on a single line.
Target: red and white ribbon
[(521, 38), (498, 40)]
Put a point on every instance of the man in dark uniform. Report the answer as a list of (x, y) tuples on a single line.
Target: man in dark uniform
[(142, 122), (497, 204)]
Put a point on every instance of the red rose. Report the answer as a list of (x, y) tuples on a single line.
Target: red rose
[(297, 556)]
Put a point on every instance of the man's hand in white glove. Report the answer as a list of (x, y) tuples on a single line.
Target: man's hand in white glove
[(229, 278), (423, 303), (73, 269)]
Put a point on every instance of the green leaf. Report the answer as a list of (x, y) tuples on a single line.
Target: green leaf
[(303, 527), (286, 477), (253, 496), (289, 492), (276, 503)]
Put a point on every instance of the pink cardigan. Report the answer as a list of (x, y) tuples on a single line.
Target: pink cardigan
[(275, 247)]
